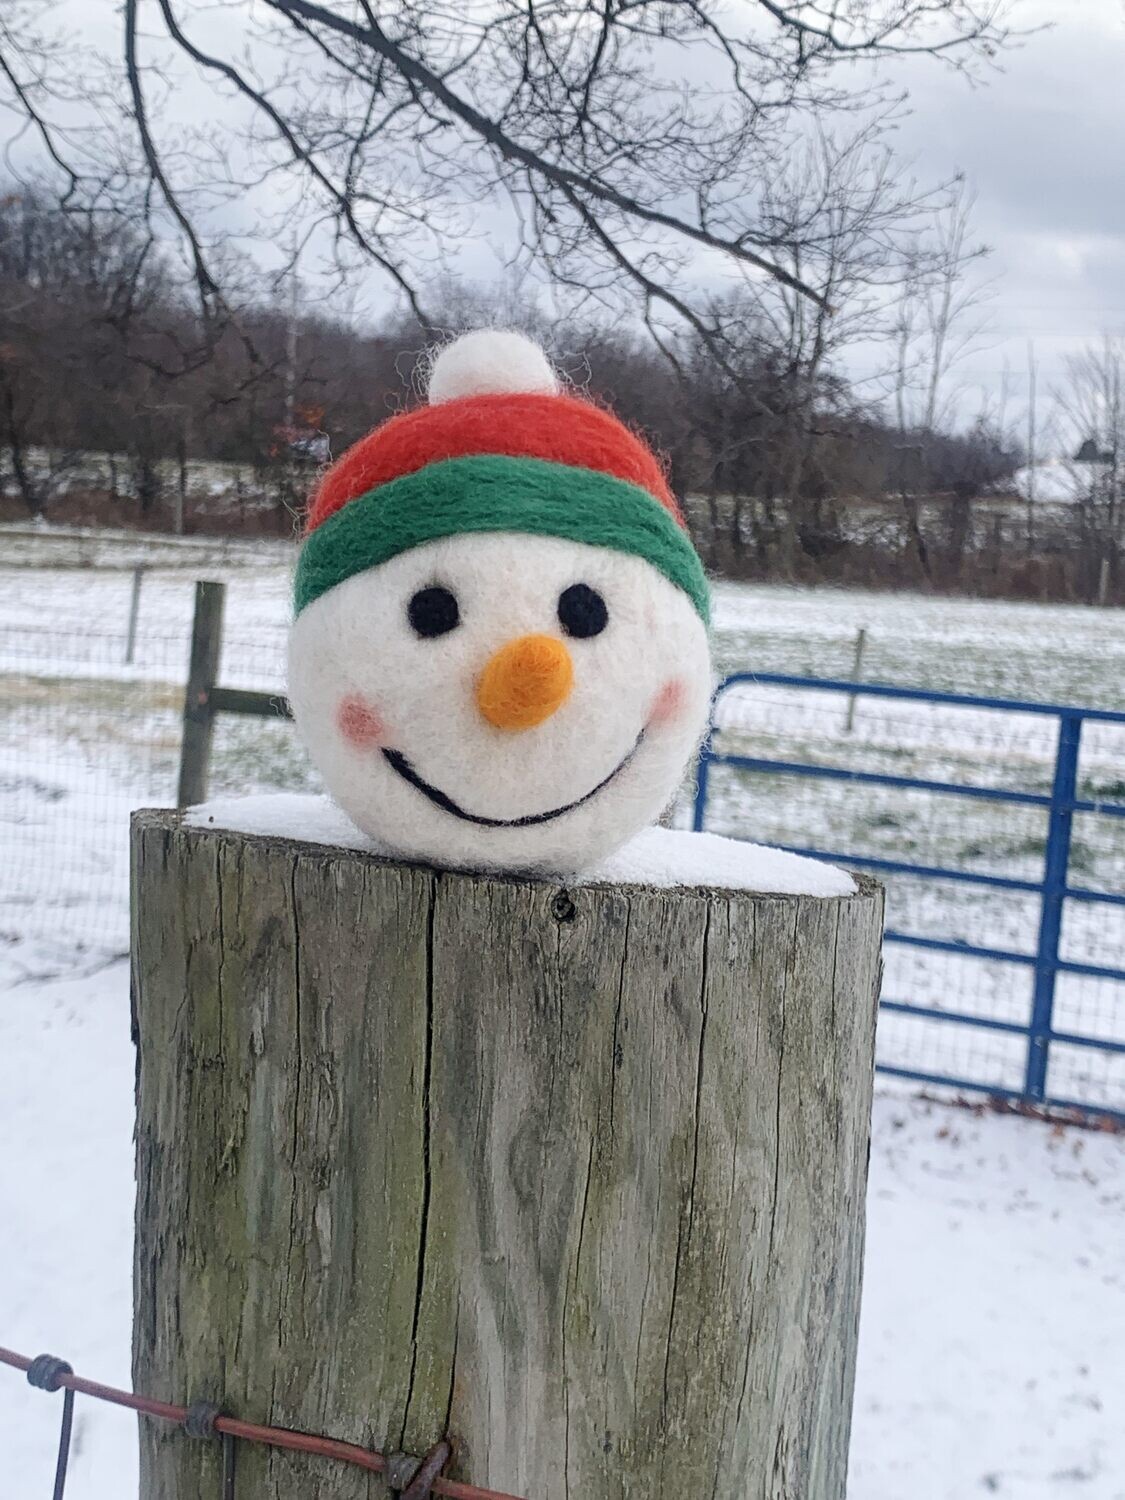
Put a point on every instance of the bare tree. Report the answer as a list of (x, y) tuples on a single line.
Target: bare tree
[(1032, 441), (76, 298), (854, 226), (942, 316), (940, 319), (628, 137), (1091, 414)]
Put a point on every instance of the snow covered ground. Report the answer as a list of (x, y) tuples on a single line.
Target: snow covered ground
[(991, 1353), (991, 1357)]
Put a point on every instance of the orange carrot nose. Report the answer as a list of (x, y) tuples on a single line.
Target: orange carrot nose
[(525, 682)]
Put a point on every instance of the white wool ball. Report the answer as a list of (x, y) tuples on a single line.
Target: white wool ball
[(392, 717), (491, 361)]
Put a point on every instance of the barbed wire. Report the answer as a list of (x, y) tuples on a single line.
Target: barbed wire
[(414, 1478)]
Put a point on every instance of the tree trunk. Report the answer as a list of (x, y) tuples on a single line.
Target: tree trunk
[(179, 509), (912, 512), (29, 492), (575, 1174), (960, 527)]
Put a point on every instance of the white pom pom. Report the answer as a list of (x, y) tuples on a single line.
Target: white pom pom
[(492, 361)]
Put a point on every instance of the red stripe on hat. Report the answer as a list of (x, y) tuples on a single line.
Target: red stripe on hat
[(560, 429)]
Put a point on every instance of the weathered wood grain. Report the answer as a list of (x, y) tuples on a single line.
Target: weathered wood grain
[(577, 1175), (199, 706)]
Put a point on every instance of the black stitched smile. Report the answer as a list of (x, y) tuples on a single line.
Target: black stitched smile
[(399, 762)]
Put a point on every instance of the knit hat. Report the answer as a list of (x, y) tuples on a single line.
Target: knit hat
[(498, 447)]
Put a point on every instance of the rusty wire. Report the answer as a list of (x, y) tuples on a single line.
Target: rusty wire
[(425, 1477)]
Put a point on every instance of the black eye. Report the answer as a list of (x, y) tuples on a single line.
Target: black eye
[(582, 611), (433, 611)]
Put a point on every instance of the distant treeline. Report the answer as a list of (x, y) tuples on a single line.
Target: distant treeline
[(785, 477)]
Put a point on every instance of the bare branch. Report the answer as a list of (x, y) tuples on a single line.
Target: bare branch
[(206, 283)]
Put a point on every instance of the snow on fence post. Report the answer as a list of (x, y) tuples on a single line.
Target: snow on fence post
[(575, 1174)]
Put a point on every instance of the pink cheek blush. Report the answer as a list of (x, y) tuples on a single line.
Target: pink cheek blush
[(668, 703), (359, 723)]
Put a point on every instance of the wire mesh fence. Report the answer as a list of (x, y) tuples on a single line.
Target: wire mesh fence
[(83, 740), (86, 736), (964, 795)]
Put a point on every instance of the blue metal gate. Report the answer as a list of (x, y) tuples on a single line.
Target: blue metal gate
[(1053, 891)]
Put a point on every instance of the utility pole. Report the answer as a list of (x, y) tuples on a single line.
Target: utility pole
[(1114, 480), (1005, 393), (291, 343), (1032, 373)]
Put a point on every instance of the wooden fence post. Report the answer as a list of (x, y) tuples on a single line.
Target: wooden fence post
[(857, 676), (199, 710), (575, 1174), (134, 613)]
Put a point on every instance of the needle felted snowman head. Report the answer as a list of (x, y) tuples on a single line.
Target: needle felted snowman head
[(499, 658)]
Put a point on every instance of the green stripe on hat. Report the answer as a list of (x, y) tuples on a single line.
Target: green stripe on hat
[(490, 493)]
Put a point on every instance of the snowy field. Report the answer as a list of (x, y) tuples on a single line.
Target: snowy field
[(90, 736), (991, 1356)]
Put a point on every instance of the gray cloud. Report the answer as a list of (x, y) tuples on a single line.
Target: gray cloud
[(1041, 144)]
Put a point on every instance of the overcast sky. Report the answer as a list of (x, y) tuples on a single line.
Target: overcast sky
[(1041, 144)]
